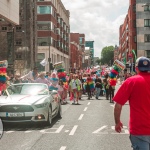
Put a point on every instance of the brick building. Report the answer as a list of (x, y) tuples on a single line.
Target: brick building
[(127, 34), (77, 48), (53, 33), (91, 45), (18, 42), (116, 51), (143, 27)]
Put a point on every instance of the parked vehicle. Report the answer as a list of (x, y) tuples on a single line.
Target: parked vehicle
[(29, 102)]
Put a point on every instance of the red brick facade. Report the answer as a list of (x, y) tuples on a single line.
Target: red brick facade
[(127, 33), (77, 48)]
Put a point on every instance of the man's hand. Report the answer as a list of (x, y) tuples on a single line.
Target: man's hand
[(118, 127)]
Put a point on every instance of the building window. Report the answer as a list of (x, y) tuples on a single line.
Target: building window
[(148, 53), (18, 28), (18, 42), (134, 23), (43, 41), (146, 22), (134, 8), (135, 39), (18, 56), (4, 28), (44, 9), (147, 8), (147, 37)]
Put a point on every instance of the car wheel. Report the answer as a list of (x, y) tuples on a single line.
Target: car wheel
[(49, 120), (59, 114)]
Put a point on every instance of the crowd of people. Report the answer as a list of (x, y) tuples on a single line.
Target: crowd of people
[(76, 85)]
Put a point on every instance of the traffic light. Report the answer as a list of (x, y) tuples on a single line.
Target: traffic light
[(51, 66)]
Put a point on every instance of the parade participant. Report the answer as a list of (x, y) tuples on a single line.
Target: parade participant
[(3, 75), (98, 86), (65, 87), (82, 81), (136, 90), (75, 86), (53, 82), (60, 90), (69, 90), (16, 79), (106, 86), (112, 80), (31, 76), (89, 86), (42, 79)]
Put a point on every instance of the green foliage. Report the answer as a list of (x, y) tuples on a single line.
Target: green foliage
[(107, 55)]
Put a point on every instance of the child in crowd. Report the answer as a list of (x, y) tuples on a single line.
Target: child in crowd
[(60, 90)]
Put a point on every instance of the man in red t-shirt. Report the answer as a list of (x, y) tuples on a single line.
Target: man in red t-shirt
[(136, 90)]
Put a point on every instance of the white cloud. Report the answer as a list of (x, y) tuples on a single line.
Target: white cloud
[(99, 20)]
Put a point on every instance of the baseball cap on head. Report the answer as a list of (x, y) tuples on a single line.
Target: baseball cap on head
[(143, 64)]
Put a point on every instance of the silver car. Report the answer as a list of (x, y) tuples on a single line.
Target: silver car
[(29, 102)]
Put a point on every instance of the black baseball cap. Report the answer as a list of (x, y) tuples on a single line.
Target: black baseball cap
[(143, 64)]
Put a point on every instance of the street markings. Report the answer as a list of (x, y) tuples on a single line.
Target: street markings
[(63, 148), (81, 116), (58, 130), (89, 103), (124, 130), (73, 130), (110, 130), (10, 131), (85, 109), (100, 129)]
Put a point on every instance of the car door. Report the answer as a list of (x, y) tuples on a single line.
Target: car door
[(53, 96)]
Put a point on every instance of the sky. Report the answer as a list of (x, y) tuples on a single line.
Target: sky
[(99, 20)]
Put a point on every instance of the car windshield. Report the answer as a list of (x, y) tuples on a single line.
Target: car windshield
[(28, 89)]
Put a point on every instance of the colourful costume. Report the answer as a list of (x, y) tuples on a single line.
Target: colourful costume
[(53, 82), (3, 75)]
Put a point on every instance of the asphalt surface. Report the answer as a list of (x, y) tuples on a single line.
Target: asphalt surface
[(88, 126)]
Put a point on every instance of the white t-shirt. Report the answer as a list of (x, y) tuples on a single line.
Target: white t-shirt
[(60, 88), (74, 83)]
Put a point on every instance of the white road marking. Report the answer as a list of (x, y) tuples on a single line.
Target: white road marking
[(85, 109), (73, 130), (81, 116), (100, 129), (27, 131), (59, 129), (67, 131), (63, 148), (124, 130), (89, 103), (10, 131)]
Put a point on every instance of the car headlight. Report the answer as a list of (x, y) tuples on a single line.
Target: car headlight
[(41, 105)]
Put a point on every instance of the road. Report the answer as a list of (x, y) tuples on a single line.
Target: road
[(88, 126)]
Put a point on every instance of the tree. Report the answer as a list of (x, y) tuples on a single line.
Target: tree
[(107, 55)]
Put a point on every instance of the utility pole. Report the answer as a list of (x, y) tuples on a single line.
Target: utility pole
[(49, 39)]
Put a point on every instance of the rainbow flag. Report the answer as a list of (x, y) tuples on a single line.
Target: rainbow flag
[(89, 81)]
